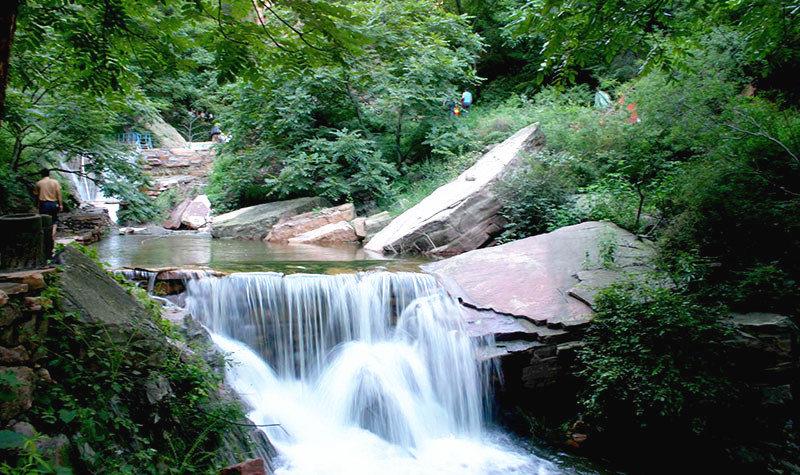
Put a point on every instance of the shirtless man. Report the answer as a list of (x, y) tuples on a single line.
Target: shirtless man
[(48, 193)]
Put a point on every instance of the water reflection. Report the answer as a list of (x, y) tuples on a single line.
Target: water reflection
[(194, 250)]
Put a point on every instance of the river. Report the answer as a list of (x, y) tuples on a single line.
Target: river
[(363, 362)]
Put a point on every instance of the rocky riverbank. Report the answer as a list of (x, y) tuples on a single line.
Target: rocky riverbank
[(94, 378)]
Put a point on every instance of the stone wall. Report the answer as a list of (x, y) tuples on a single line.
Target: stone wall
[(183, 168)]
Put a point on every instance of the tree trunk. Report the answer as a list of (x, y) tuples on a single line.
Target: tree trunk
[(398, 132), (8, 24), (639, 208)]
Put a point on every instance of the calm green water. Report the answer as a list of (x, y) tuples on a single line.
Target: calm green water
[(194, 250)]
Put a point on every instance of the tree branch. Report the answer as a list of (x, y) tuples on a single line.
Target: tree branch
[(762, 132), (266, 31), (75, 172), (288, 25)]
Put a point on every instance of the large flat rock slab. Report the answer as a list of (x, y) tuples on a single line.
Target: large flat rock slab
[(540, 278), (255, 222), (464, 214), (95, 298)]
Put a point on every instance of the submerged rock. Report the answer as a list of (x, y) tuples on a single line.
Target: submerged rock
[(255, 222), (294, 226), (464, 214)]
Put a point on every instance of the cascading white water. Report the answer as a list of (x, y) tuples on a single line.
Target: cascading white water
[(87, 190), (365, 373)]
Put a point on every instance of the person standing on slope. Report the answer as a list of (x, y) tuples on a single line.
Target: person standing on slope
[(48, 196), (466, 100)]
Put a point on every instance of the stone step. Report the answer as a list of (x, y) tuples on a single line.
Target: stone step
[(13, 288)]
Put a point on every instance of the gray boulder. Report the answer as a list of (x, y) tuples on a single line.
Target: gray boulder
[(464, 214), (164, 134), (765, 347), (96, 299), (375, 223), (255, 222)]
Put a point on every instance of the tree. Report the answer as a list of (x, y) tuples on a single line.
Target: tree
[(580, 34), (307, 107), (8, 25)]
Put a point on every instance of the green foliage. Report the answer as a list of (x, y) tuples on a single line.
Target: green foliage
[(533, 193), (30, 461), (101, 403), (342, 167), (654, 364), (579, 34), (294, 127)]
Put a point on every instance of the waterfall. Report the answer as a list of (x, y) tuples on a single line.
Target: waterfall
[(87, 189), (364, 373)]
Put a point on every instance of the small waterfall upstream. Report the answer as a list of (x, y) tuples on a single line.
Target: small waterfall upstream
[(86, 189), (364, 373)]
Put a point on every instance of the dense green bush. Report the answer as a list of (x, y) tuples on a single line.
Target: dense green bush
[(533, 195), (654, 365), (341, 166)]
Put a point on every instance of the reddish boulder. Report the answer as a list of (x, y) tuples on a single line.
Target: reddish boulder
[(293, 226), (330, 233), (174, 220), (197, 214), (248, 467)]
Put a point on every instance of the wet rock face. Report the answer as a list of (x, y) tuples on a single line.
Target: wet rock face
[(255, 222), (464, 214)]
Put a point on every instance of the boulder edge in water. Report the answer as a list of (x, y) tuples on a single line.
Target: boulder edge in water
[(255, 222), (463, 214)]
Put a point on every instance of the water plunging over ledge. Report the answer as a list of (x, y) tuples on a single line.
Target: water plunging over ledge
[(365, 373)]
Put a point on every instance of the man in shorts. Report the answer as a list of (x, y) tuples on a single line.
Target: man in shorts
[(48, 194)]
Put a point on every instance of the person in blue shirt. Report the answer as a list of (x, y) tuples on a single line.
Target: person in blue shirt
[(466, 100)]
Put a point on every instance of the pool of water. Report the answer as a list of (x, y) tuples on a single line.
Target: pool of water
[(229, 255)]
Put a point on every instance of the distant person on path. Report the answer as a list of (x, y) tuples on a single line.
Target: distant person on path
[(451, 106), (216, 133), (48, 195), (466, 100)]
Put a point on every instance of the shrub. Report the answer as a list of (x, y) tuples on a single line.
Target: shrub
[(654, 365), (532, 194), (342, 166)]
